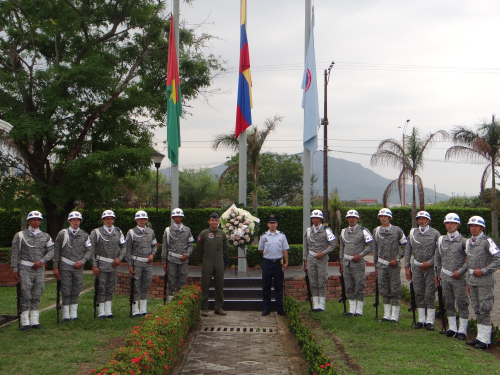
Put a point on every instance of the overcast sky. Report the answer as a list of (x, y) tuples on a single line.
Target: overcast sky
[(433, 62)]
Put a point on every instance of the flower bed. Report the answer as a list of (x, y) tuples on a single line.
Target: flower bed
[(153, 345), (317, 363)]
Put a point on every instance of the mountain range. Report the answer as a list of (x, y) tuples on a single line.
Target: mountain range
[(352, 180)]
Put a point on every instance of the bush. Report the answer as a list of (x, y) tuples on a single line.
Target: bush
[(317, 363), (5, 254), (153, 345)]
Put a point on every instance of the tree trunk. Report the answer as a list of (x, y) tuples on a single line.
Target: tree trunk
[(494, 211), (54, 220), (413, 207), (254, 199)]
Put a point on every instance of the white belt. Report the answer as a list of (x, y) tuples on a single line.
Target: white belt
[(471, 271), (312, 253), (417, 263), (348, 257), (446, 272), (383, 261), (175, 255), (26, 263), (144, 260), (104, 259), (67, 261)]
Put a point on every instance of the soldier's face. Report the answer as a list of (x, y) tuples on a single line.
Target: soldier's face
[(142, 222), (35, 223), (214, 223), (272, 226), (316, 221), (177, 219), (451, 227), (75, 223), (108, 220), (475, 229), (384, 219), (422, 221), (352, 220)]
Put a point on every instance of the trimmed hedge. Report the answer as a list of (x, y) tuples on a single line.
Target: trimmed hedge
[(153, 345), (317, 363)]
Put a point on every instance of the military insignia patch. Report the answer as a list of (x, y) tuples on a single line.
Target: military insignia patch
[(210, 235), (199, 238)]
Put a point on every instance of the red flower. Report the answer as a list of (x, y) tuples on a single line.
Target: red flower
[(173, 331), (136, 360), (291, 321), (180, 303), (322, 366), (150, 342), (166, 367), (169, 349), (152, 333), (328, 364)]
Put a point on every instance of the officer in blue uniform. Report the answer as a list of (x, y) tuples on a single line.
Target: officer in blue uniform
[(275, 247)]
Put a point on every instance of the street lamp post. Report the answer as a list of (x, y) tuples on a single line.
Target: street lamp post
[(324, 122), (157, 158), (404, 150)]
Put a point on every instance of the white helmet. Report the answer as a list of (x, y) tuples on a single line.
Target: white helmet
[(478, 220), (177, 212), (34, 215), (452, 218), (385, 212), (424, 214), (108, 213), (352, 213), (75, 215), (317, 213), (141, 215)]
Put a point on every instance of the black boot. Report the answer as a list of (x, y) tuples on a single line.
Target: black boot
[(473, 342), (481, 346), (419, 325)]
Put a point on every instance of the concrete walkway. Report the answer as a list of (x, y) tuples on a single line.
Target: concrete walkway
[(242, 342)]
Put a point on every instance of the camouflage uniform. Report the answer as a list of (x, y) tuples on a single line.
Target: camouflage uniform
[(423, 245), (386, 248), (179, 241), (108, 243), (70, 247), (32, 248), (212, 245), (318, 241), (450, 256), (353, 241), (140, 244), (484, 254)]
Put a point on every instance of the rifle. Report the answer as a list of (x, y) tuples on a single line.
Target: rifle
[(58, 296), (413, 303), (132, 287), (309, 293), (96, 288), (18, 293), (377, 301), (343, 294), (442, 310), (165, 292)]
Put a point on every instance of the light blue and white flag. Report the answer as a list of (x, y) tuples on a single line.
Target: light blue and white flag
[(310, 96)]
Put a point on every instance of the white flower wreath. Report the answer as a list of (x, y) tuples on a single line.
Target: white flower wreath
[(239, 225)]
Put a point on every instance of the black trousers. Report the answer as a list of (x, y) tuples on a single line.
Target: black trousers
[(272, 270)]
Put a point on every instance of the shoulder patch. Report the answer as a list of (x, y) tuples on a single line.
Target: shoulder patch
[(330, 235), (493, 247), (199, 238), (402, 240), (367, 234)]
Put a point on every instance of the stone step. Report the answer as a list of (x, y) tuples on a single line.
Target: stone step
[(241, 293), (242, 305), (241, 282)]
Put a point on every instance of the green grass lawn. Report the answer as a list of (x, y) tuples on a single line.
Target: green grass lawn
[(8, 299), (71, 348), (385, 348)]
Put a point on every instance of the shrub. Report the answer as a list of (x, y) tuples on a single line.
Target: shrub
[(317, 363), (5, 254), (153, 345)]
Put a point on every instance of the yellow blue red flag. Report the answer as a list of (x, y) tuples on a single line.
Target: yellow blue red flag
[(244, 108)]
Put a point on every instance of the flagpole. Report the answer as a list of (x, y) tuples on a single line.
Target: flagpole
[(174, 182), (306, 159), (242, 191)]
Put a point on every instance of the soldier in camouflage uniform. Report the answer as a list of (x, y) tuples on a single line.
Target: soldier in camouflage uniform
[(423, 243), (483, 258), (386, 256), (211, 244), (450, 264), (141, 248), (32, 248), (71, 250), (176, 249), (108, 245), (318, 243), (355, 243)]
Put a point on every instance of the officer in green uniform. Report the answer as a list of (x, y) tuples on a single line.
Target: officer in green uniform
[(212, 243)]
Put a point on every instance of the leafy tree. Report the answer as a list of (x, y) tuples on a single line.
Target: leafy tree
[(140, 191), (255, 142), (77, 80), (481, 143), (410, 160), (461, 201), (197, 188)]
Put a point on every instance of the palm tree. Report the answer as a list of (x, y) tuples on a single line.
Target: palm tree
[(410, 160), (255, 141), (481, 143)]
